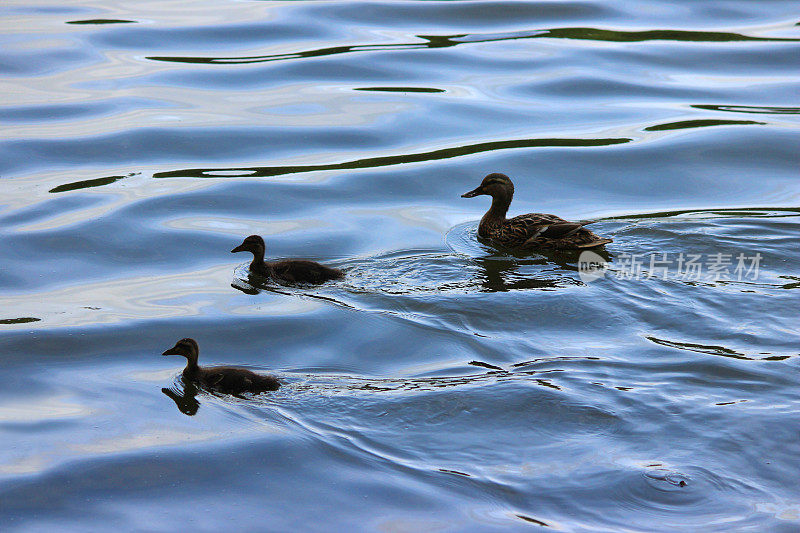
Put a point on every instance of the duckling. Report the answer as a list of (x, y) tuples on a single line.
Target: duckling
[(287, 270), (534, 230), (224, 379)]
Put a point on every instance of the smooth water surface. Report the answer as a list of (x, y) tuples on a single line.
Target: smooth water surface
[(443, 385)]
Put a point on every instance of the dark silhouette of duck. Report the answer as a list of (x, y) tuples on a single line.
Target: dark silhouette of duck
[(286, 270), (534, 230), (224, 379)]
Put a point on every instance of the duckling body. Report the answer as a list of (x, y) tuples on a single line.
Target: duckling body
[(223, 379), (287, 270), (532, 230)]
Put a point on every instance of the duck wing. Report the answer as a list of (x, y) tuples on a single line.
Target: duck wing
[(225, 379), (304, 271), (565, 236), (539, 230), (235, 380), (214, 377), (560, 230), (517, 231)]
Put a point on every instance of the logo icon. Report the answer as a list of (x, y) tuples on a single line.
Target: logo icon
[(591, 266)]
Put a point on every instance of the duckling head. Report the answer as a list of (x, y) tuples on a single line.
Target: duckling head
[(495, 184), (187, 348), (253, 244)]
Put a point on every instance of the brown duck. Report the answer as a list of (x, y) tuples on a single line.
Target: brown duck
[(534, 230), (287, 270), (224, 379)]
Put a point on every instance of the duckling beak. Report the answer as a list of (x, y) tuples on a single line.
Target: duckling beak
[(239, 248), (172, 351), (474, 192)]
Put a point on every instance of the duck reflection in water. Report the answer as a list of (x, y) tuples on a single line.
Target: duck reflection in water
[(186, 400), (500, 275), (554, 269)]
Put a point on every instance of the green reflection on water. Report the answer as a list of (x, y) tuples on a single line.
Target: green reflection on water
[(84, 184), (701, 123), (102, 21), (713, 350), (445, 41), (401, 89), (751, 109), (382, 161), (21, 320)]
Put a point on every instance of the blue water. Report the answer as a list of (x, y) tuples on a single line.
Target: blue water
[(443, 385)]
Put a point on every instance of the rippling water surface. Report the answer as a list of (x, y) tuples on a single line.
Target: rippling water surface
[(443, 385)]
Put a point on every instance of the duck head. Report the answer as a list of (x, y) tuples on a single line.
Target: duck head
[(495, 184), (187, 348), (253, 244)]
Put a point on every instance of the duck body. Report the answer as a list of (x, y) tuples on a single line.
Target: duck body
[(223, 379), (286, 270), (230, 380), (539, 230), (296, 271), (529, 231)]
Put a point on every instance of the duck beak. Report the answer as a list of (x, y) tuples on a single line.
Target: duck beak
[(474, 192), (239, 248), (171, 351)]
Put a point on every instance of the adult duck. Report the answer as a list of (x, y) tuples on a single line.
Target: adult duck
[(224, 379), (286, 270), (534, 230)]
